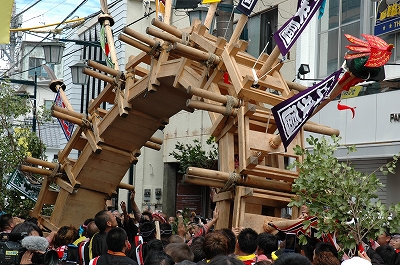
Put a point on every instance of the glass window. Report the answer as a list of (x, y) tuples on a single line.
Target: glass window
[(36, 65), (48, 104)]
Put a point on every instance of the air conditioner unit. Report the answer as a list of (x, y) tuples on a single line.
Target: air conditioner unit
[(185, 4)]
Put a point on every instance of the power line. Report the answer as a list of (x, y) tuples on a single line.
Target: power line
[(70, 14), (23, 11)]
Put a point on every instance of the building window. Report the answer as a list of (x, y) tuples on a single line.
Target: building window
[(36, 65), (48, 104), (341, 16), (267, 23)]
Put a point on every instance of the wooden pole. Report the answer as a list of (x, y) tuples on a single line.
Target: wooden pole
[(162, 35), (152, 145), (210, 95), (35, 161), (67, 117), (98, 75), (134, 43), (102, 67), (200, 55), (126, 186), (168, 11), (296, 86), (238, 29), (36, 170), (156, 140), (106, 20), (141, 37), (210, 15), (68, 112), (166, 27), (210, 107), (269, 62)]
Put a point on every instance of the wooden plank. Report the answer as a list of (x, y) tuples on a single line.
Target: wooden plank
[(62, 155), (243, 128), (61, 201), (260, 96), (134, 61), (227, 150), (226, 195), (106, 95), (234, 74), (273, 173), (224, 220)]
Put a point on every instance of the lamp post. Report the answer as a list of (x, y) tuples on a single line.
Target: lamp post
[(78, 77), (53, 52)]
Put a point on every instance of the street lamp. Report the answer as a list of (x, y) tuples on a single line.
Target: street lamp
[(53, 52), (79, 78)]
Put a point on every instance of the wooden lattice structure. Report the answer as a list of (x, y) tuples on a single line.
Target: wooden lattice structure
[(189, 69)]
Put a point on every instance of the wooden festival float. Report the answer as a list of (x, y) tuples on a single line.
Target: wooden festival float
[(189, 69)]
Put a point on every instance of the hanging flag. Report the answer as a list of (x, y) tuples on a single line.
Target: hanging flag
[(5, 14), (105, 48), (287, 35), (66, 126), (246, 6), (345, 107), (291, 114), (160, 9), (210, 1)]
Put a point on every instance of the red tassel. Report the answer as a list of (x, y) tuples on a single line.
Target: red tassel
[(226, 78), (345, 107)]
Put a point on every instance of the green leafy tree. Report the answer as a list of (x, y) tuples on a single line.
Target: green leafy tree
[(16, 142), (345, 200), (193, 155)]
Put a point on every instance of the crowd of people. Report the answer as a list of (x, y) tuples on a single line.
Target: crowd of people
[(152, 238)]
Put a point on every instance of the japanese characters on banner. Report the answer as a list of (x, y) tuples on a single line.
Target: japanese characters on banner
[(287, 35), (291, 114), (66, 126), (246, 6)]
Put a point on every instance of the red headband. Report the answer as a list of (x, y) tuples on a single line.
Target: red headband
[(160, 216)]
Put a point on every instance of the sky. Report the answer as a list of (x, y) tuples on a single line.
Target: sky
[(53, 11)]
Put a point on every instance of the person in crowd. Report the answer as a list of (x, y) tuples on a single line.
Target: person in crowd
[(83, 247), (28, 227), (382, 240), (267, 243), (159, 258), (203, 230), (175, 239), (395, 242), (82, 232), (292, 259), (384, 255), (7, 223), (154, 245), (246, 246), (215, 244), (105, 221), (166, 232), (197, 249), (325, 247), (356, 261), (224, 260), (304, 212), (129, 223), (117, 243), (307, 249), (228, 233), (62, 243), (179, 252), (160, 216)]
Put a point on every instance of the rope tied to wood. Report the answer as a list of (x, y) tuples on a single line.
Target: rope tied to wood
[(54, 172), (231, 102), (185, 38), (231, 182), (86, 123), (154, 48)]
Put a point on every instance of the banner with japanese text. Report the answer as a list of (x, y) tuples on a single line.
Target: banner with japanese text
[(291, 114), (246, 6), (66, 126), (287, 35)]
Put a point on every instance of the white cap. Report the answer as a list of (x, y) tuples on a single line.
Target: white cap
[(356, 261)]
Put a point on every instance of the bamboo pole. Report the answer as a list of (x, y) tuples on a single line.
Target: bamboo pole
[(250, 181), (102, 67), (36, 170), (210, 15), (316, 128), (210, 107), (200, 55), (156, 140), (203, 182), (210, 95), (166, 27), (296, 86), (126, 186), (139, 36), (152, 145), (134, 43), (67, 117), (162, 35), (98, 75), (35, 161), (68, 112)]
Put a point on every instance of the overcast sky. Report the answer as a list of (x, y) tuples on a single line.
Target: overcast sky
[(53, 11)]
